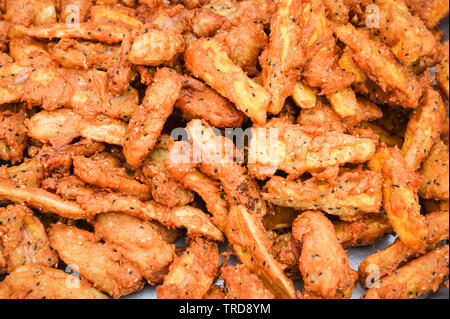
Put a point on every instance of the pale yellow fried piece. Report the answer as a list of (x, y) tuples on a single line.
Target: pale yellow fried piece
[(103, 175), (304, 96), (435, 170), (72, 10), (208, 59), (217, 161), (352, 194), (98, 263), (28, 12), (148, 120), (424, 128), (61, 126), (323, 262), (241, 284), (116, 15), (192, 274), (295, 150), (344, 102), (379, 64), (39, 282), (12, 80), (137, 241), (29, 172), (416, 278), (24, 50), (164, 188), (362, 232), (430, 11), (253, 248), (386, 261), (155, 47), (40, 199), (200, 102), (442, 72), (23, 239), (107, 33), (13, 138), (283, 59)]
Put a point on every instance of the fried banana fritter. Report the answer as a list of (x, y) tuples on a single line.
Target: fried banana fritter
[(13, 138), (435, 171), (430, 11)]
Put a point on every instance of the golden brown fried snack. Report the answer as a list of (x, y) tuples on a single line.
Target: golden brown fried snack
[(148, 120), (424, 128), (98, 263), (281, 218), (430, 11), (362, 232), (431, 205), (40, 199), (323, 262), (442, 73), (304, 96), (241, 284), (28, 12), (384, 136), (29, 172), (39, 282), (253, 248), (415, 278), (23, 239), (435, 170), (287, 251), (192, 274), (208, 59), (379, 64), (200, 102), (353, 194), (400, 199), (13, 139), (137, 241), (61, 126), (102, 174), (67, 8), (116, 15), (282, 60)]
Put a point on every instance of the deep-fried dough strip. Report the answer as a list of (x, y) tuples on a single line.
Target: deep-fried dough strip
[(192, 274), (283, 59), (251, 244), (23, 239), (241, 284), (208, 59), (435, 171), (40, 199), (424, 128), (415, 278), (390, 258), (323, 262), (137, 241), (400, 200), (61, 126), (363, 232), (98, 263), (37, 282), (149, 118), (103, 175)]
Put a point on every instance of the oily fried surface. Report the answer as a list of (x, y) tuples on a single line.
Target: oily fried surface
[(98, 263), (435, 171), (192, 274), (431, 12), (23, 239), (40, 282), (323, 262), (13, 139)]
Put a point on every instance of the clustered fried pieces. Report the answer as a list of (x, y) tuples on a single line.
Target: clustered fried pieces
[(344, 132)]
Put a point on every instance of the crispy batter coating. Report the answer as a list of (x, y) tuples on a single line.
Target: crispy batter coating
[(241, 284), (148, 120), (424, 128), (61, 126), (40, 282), (13, 138), (98, 263), (281, 218), (200, 102), (352, 194), (304, 96), (23, 239), (430, 11), (27, 12), (208, 59), (253, 248), (415, 278), (442, 73), (435, 170), (379, 64), (116, 15), (287, 251), (138, 242), (400, 199), (362, 232), (283, 59), (67, 8), (323, 262), (192, 274), (103, 174)]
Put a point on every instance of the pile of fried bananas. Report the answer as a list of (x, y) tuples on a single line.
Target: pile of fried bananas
[(97, 193)]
